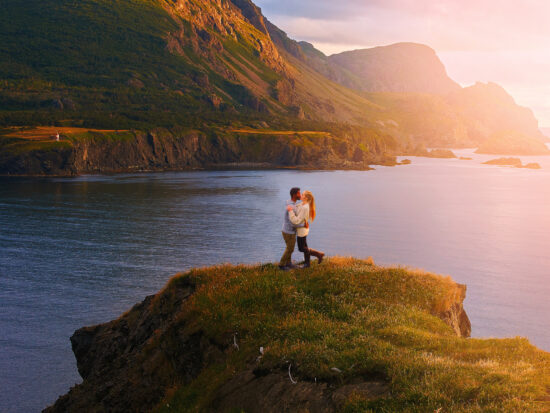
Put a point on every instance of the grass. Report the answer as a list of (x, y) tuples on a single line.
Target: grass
[(17, 141), (366, 321)]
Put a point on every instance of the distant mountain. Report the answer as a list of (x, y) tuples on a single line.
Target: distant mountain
[(486, 109), (401, 67), (546, 132)]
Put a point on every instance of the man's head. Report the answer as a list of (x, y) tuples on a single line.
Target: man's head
[(295, 194)]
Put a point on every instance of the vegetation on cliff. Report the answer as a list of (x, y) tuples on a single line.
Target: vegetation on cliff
[(342, 336), (196, 64)]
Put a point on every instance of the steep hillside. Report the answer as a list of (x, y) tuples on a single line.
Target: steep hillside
[(85, 62), (345, 335), (401, 67)]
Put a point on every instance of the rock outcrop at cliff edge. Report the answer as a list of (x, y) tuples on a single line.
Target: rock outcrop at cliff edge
[(342, 335)]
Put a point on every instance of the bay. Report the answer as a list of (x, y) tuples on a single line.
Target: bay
[(80, 251)]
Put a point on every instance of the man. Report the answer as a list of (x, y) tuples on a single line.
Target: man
[(289, 231)]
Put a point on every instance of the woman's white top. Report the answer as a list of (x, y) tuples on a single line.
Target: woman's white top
[(301, 216)]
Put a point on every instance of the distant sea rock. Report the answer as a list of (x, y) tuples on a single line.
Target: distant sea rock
[(513, 143), (434, 153), (513, 162), (505, 162)]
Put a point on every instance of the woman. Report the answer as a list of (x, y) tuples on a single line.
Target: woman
[(301, 215)]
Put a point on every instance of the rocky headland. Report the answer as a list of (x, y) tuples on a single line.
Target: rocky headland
[(346, 335)]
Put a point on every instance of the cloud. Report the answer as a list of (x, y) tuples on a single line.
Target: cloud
[(445, 25)]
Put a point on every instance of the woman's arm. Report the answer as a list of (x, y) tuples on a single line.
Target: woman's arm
[(300, 217)]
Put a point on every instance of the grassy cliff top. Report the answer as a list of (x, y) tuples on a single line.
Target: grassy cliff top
[(346, 335), (349, 320)]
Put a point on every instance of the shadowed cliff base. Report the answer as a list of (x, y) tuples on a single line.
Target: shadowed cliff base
[(28, 152), (346, 335)]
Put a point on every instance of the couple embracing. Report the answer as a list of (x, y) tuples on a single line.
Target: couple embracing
[(300, 211)]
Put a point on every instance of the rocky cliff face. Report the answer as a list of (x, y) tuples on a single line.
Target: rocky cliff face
[(454, 315), (121, 371), (162, 150)]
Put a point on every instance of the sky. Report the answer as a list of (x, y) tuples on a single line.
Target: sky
[(507, 42)]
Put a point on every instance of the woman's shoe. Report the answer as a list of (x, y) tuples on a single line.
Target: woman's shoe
[(317, 254)]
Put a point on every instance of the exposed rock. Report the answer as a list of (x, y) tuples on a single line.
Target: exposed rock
[(57, 104), (454, 314), (513, 162), (298, 112), (215, 100), (275, 393), (122, 371), (284, 92), (252, 13), (440, 153), (433, 153), (136, 83), (516, 162)]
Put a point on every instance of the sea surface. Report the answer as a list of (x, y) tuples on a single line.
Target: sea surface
[(80, 251)]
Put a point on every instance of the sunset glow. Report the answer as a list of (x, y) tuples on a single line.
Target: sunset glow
[(504, 42)]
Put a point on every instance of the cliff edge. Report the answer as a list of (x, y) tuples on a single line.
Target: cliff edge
[(344, 335)]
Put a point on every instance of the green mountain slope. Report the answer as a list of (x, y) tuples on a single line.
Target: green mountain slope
[(151, 63)]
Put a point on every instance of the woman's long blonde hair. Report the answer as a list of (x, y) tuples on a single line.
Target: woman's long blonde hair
[(311, 201)]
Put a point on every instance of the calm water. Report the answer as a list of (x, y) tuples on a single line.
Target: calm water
[(75, 252)]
